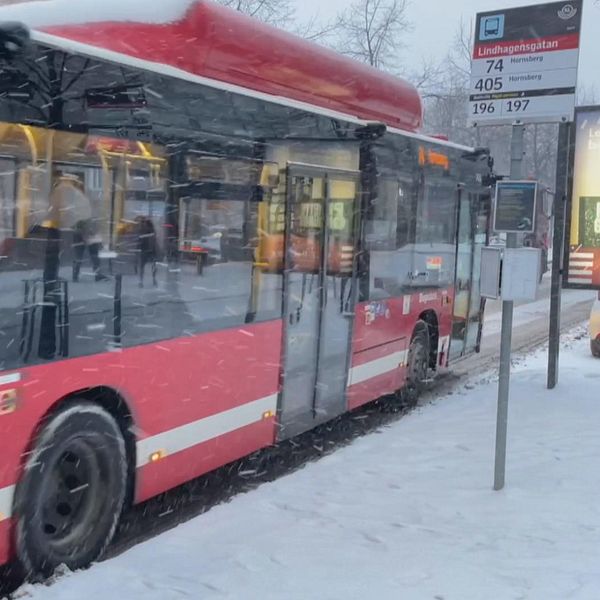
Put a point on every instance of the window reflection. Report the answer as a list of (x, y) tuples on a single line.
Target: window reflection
[(435, 248), (8, 176), (105, 244), (388, 239)]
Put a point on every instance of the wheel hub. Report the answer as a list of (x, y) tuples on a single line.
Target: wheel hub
[(68, 504)]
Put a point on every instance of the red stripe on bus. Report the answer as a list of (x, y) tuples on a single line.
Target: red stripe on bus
[(370, 354), (174, 470), (363, 393)]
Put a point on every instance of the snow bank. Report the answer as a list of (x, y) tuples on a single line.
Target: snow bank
[(407, 513), (38, 14)]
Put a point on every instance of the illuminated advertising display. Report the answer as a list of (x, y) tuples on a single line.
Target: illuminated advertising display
[(583, 259)]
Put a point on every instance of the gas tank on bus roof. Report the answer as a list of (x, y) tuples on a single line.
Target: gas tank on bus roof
[(209, 40)]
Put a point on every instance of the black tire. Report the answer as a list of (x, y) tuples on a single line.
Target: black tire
[(417, 364), (595, 348), (71, 496)]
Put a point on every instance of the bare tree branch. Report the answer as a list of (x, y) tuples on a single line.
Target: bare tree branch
[(282, 13), (459, 57), (276, 12), (371, 31), (316, 31), (427, 79)]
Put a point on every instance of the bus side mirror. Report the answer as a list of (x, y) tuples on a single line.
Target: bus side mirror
[(14, 40)]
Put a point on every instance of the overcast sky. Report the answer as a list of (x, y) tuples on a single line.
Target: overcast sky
[(437, 21)]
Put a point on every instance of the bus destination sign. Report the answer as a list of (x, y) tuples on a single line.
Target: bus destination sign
[(514, 208), (524, 66)]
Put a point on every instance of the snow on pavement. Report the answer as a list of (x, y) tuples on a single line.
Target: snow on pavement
[(530, 311), (405, 513)]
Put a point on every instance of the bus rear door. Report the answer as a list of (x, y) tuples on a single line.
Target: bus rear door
[(320, 291)]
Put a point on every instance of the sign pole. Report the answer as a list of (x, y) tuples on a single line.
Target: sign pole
[(516, 172), (558, 242)]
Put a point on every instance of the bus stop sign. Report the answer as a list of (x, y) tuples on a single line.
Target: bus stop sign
[(524, 67), (515, 205)]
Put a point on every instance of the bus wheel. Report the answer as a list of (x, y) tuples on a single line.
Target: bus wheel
[(417, 364), (73, 489)]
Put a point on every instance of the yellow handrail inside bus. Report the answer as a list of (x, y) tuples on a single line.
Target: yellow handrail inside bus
[(31, 141)]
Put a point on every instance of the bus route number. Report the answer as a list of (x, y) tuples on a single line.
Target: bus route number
[(495, 65), (513, 106), (491, 81), (484, 108), (489, 84)]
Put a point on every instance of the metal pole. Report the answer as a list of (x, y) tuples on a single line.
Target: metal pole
[(516, 172), (558, 242)]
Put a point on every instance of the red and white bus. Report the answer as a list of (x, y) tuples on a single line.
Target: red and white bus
[(213, 236)]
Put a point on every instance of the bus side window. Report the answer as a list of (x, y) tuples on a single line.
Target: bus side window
[(7, 204), (387, 239), (435, 239), (402, 225)]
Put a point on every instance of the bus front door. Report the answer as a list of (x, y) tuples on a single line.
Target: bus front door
[(319, 295), (468, 310)]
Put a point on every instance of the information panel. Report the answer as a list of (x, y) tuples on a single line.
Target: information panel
[(514, 208), (524, 67), (583, 259)]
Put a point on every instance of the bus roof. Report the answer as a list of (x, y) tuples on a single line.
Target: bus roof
[(208, 40)]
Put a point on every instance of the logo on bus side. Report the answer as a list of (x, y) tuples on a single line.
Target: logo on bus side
[(426, 298), (376, 310)]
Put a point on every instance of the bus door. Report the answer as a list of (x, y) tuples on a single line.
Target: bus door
[(468, 310), (320, 291), (481, 221)]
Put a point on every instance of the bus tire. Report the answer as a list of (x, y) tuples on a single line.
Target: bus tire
[(72, 493), (595, 348), (417, 365)]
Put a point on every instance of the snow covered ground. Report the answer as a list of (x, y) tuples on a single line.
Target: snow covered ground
[(530, 311), (407, 513)]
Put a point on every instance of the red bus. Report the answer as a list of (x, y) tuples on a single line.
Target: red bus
[(213, 236)]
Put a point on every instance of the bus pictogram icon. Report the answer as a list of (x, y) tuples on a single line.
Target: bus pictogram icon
[(492, 28)]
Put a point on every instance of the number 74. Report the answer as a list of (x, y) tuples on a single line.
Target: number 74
[(495, 65)]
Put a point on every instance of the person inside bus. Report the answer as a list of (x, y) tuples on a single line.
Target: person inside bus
[(85, 236), (76, 214), (147, 247)]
